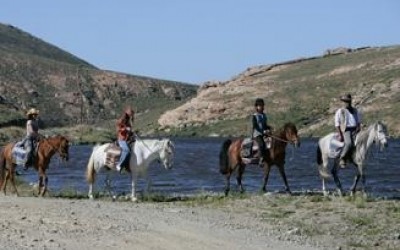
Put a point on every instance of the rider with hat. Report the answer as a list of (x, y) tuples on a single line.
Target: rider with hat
[(32, 135), (260, 128), (347, 123), (124, 133)]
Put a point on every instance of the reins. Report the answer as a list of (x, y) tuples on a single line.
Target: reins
[(280, 139)]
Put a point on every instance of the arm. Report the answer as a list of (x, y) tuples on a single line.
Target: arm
[(337, 125), (267, 130), (255, 125)]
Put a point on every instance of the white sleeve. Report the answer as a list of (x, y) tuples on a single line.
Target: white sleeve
[(337, 118)]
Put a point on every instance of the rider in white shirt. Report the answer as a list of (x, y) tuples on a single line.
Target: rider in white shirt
[(347, 123)]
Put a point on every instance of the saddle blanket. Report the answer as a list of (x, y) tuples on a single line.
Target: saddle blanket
[(19, 155), (250, 147), (113, 153)]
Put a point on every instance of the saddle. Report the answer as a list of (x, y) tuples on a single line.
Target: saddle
[(250, 150)]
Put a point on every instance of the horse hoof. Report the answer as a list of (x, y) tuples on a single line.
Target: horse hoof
[(134, 199), (91, 197), (114, 198), (325, 193)]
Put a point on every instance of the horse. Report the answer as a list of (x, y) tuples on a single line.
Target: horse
[(46, 149), (143, 152), (374, 133), (230, 158)]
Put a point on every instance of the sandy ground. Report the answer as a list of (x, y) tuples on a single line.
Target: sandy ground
[(49, 223), (272, 221)]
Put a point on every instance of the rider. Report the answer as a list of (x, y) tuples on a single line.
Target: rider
[(32, 135), (124, 133), (347, 123), (260, 128)]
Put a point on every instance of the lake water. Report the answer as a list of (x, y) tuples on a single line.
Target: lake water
[(196, 170)]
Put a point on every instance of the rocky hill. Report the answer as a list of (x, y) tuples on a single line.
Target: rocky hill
[(70, 91), (305, 91)]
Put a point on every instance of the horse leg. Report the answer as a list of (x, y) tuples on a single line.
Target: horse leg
[(90, 193), (267, 169), (363, 179), (281, 169), (12, 179), (227, 183), (336, 177), (46, 181), (239, 177), (356, 179), (6, 177), (42, 177), (110, 187), (325, 193), (133, 183)]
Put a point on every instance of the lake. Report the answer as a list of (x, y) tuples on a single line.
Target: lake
[(196, 170)]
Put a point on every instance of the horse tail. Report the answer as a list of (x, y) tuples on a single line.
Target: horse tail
[(224, 157), (2, 166), (319, 155), (90, 169)]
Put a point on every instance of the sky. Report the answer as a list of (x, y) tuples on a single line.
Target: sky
[(195, 41)]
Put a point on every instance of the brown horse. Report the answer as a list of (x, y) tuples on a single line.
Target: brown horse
[(46, 149), (230, 158)]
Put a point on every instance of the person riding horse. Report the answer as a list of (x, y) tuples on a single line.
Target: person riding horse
[(32, 136), (124, 135), (260, 129), (347, 123)]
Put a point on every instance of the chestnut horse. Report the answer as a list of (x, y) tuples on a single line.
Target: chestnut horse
[(46, 149), (231, 160)]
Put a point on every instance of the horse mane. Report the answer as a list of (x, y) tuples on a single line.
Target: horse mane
[(362, 137), (286, 126)]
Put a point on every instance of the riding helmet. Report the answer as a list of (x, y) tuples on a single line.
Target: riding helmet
[(346, 98), (259, 102)]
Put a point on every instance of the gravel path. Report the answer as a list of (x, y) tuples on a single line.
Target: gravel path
[(46, 223)]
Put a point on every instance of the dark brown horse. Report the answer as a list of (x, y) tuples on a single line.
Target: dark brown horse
[(46, 149), (231, 159)]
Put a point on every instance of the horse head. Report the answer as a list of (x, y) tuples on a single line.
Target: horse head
[(380, 134), (167, 153), (60, 145), (290, 133)]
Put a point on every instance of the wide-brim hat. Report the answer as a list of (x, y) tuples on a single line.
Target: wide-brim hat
[(346, 98), (32, 111)]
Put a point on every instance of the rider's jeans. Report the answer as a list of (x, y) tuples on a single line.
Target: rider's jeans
[(124, 153), (348, 142)]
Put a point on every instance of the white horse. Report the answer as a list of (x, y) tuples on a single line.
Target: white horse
[(375, 133), (143, 152)]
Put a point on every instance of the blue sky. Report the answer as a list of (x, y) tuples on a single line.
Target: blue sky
[(199, 40)]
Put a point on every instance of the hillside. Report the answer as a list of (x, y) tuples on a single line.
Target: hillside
[(305, 91), (70, 91)]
